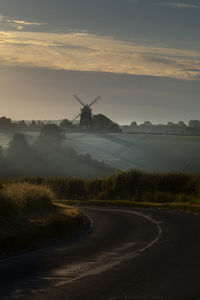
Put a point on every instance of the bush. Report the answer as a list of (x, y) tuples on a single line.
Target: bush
[(132, 185), (7, 208), (60, 223), (26, 197), (69, 188)]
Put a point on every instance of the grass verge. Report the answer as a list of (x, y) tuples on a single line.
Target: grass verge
[(30, 232), (195, 208), (29, 219)]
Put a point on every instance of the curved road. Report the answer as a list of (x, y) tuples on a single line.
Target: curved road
[(143, 254)]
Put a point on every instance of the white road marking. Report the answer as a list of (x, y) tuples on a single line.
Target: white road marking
[(106, 260)]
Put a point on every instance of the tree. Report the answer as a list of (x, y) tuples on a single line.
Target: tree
[(65, 124), (5, 123), (134, 124), (21, 125), (51, 135), (181, 124), (194, 124), (101, 122), (4, 167), (1, 154), (18, 146), (171, 124), (147, 123), (18, 155)]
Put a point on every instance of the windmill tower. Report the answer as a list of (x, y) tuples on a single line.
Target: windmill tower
[(86, 113)]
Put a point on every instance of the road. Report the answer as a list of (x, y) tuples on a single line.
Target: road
[(133, 255)]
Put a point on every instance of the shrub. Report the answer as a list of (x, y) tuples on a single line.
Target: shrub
[(7, 208), (68, 188), (131, 185), (60, 223), (26, 197)]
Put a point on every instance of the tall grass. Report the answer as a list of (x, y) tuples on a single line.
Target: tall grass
[(130, 185), (133, 185), (18, 198)]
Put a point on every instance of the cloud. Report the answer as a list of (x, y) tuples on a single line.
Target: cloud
[(179, 5), (132, 1), (17, 24), (86, 52), (24, 23)]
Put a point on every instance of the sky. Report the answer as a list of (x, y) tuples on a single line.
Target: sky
[(141, 56)]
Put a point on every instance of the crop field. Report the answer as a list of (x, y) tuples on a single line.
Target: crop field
[(148, 152)]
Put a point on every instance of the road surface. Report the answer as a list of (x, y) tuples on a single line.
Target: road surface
[(133, 255)]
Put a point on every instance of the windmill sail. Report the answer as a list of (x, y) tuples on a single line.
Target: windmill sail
[(86, 119), (93, 102), (76, 117), (79, 100)]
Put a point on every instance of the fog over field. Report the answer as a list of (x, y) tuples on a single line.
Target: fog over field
[(149, 152)]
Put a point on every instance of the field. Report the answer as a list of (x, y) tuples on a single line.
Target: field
[(148, 152)]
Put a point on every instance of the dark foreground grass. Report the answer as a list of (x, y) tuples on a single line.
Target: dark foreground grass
[(33, 231), (29, 219)]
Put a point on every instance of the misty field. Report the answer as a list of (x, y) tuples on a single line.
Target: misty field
[(148, 152)]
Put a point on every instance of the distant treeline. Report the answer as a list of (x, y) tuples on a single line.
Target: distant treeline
[(99, 122), (47, 157), (131, 185), (193, 127), (8, 125)]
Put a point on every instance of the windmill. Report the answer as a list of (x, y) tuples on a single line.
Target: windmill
[(86, 112)]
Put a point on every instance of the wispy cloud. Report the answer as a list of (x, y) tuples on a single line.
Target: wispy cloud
[(17, 24), (86, 52), (179, 4), (132, 1)]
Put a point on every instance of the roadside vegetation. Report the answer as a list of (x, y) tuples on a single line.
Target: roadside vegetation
[(135, 188), (130, 185), (36, 210), (29, 218)]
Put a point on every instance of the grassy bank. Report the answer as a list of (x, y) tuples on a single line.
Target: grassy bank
[(187, 207), (29, 218)]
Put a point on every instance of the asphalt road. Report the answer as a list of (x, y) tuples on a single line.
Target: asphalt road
[(144, 254)]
